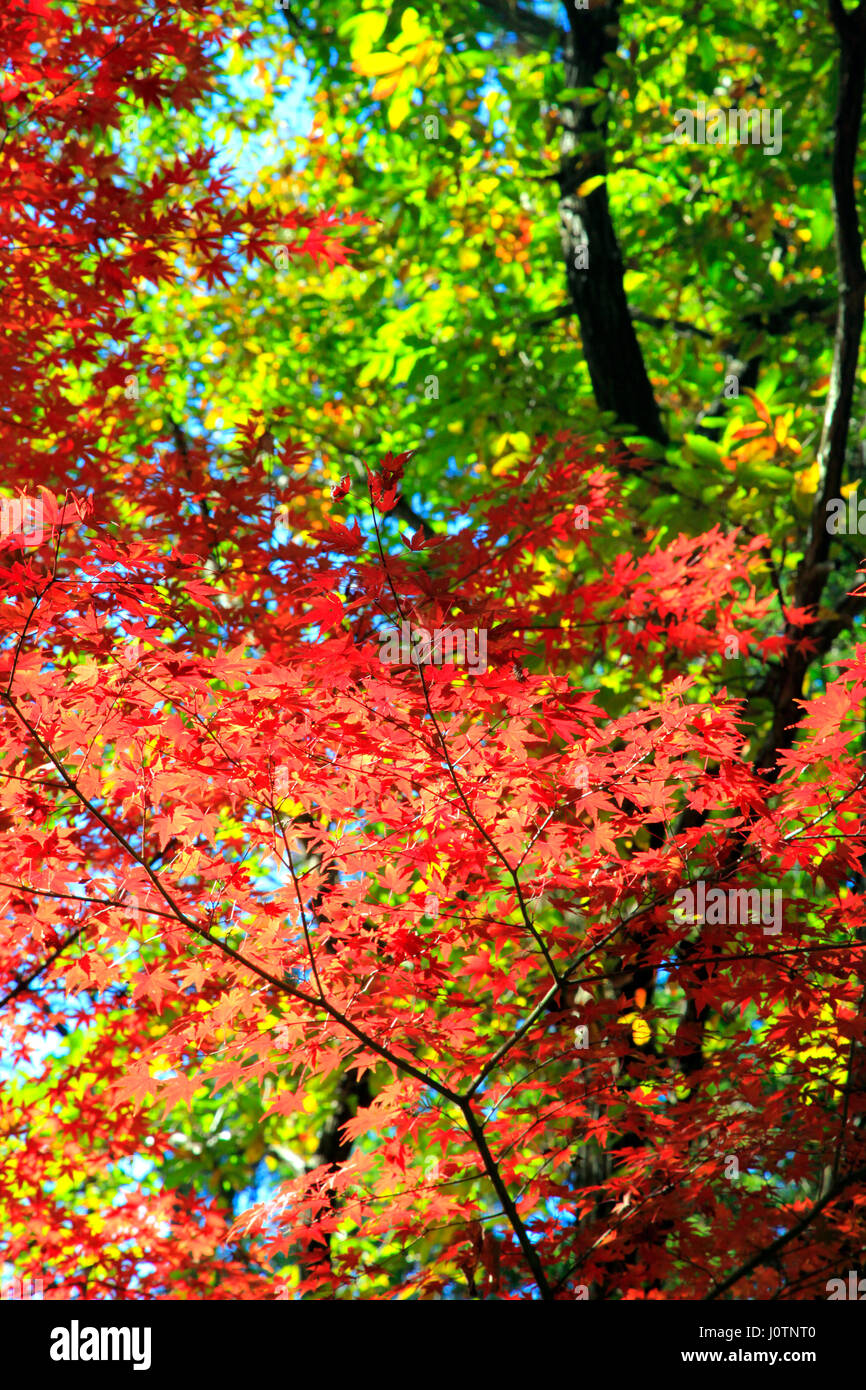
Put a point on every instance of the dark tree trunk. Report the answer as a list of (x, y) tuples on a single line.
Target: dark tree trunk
[(594, 267)]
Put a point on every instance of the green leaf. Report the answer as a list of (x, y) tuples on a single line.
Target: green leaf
[(703, 449)]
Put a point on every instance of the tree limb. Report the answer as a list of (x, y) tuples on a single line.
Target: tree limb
[(613, 354), (769, 1251), (813, 571)]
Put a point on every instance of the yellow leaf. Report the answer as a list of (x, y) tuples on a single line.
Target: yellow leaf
[(412, 31), (398, 110), (374, 64), (589, 185), (521, 441), (807, 480), (386, 86), (368, 30), (641, 1032)]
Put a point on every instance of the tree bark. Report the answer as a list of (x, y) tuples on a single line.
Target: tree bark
[(593, 264)]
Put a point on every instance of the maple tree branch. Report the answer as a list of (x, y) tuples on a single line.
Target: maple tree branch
[(679, 326), (777, 321), (465, 1102), (769, 1251), (75, 81), (477, 1132), (641, 910), (525, 22), (536, 1013), (446, 753), (332, 1149), (402, 507), (49, 961), (282, 986), (563, 311), (295, 27), (181, 443), (846, 1103), (301, 908), (22, 985), (36, 602)]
